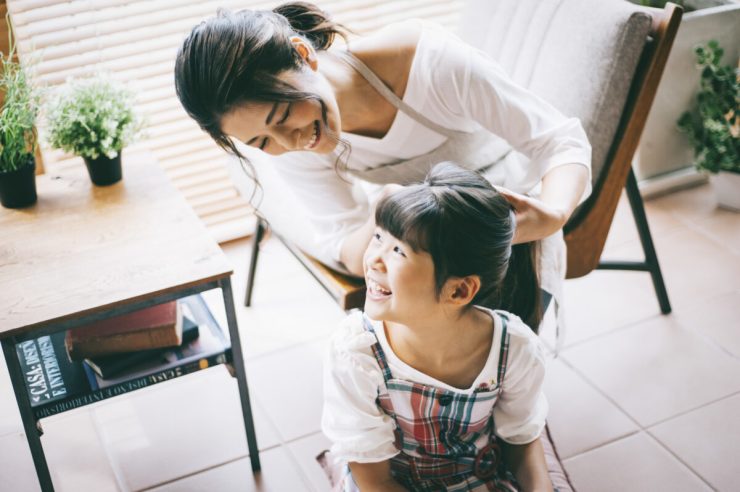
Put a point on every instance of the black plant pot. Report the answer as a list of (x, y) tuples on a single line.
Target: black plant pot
[(18, 188), (104, 171)]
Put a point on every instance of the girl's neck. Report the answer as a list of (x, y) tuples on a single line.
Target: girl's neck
[(450, 348)]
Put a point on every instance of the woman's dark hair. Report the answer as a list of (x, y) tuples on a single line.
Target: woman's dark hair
[(467, 227), (235, 58)]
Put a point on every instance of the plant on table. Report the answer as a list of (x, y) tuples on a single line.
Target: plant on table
[(20, 106), (93, 118), (713, 127)]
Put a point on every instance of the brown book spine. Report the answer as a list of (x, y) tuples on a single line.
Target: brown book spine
[(164, 336)]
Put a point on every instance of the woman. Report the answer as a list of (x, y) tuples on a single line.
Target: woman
[(383, 110)]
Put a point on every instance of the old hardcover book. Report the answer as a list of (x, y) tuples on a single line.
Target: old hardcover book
[(153, 327), (55, 383), (112, 365)]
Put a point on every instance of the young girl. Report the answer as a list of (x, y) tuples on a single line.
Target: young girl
[(431, 389)]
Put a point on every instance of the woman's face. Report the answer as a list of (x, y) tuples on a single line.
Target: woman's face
[(282, 127)]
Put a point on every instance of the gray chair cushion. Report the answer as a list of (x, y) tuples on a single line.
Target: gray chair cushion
[(580, 55)]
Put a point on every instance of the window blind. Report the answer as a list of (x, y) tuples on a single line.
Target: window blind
[(136, 41)]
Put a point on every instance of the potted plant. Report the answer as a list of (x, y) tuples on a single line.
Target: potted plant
[(20, 106), (714, 127), (665, 157), (93, 118)]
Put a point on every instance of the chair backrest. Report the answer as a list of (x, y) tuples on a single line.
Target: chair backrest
[(599, 60)]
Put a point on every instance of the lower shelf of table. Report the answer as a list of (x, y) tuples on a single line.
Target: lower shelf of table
[(55, 384)]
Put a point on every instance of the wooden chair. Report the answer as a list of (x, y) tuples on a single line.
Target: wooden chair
[(627, 85), (346, 290), (586, 231)]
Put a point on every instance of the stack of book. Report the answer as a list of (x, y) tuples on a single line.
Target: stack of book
[(120, 354)]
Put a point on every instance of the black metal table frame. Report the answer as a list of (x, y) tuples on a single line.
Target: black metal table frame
[(32, 426)]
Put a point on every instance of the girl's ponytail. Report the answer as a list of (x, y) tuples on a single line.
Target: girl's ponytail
[(520, 292), (310, 21)]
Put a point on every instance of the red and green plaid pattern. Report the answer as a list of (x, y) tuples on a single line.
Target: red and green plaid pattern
[(446, 439)]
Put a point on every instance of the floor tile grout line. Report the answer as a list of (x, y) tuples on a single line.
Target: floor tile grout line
[(259, 357), (601, 392), (194, 473), (693, 409), (706, 338), (625, 412), (695, 227), (11, 432), (297, 462), (603, 444), (634, 420), (629, 324), (679, 459), (117, 472)]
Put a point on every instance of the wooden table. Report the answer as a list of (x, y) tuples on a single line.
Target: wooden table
[(84, 253)]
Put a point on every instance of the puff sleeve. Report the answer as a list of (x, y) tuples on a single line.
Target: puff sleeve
[(521, 410), (359, 430)]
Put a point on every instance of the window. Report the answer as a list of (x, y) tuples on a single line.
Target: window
[(137, 42)]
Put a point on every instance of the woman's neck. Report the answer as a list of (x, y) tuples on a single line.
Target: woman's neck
[(362, 109), (347, 85)]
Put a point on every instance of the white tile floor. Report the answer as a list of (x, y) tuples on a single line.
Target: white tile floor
[(639, 401)]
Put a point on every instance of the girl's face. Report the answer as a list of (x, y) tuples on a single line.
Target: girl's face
[(280, 127), (400, 282)]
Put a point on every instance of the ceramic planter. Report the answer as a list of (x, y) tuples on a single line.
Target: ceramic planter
[(103, 170), (663, 149), (18, 187), (727, 189)]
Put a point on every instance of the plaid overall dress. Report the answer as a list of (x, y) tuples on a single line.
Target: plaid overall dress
[(446, 439)]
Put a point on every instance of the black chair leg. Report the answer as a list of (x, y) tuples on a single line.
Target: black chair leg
[(650, 264), (256, 240), (651, 258)]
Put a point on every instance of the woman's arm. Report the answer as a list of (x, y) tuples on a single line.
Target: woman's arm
[(527, 463), (562, 189), (371, 477)]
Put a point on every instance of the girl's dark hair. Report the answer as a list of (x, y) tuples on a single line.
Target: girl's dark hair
[(467, 227), (236, 57)]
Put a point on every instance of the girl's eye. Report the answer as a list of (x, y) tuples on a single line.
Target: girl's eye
[(399, 251), (376, 236), (263, 144)]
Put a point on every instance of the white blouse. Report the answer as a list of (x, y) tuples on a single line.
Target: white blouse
[(359, 429), (461, 88)]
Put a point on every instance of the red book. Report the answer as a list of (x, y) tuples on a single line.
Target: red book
[(154, 327)]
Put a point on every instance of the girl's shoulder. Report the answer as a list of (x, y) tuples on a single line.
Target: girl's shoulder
[(350, 361), (522, 341), (352, 338)]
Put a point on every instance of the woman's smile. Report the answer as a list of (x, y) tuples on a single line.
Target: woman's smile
[(315, 137)]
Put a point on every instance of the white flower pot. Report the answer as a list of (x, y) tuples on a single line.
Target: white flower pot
[(727, 189), (663, 149)]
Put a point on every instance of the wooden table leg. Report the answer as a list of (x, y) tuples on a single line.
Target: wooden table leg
[(241, 375), (33, 434)]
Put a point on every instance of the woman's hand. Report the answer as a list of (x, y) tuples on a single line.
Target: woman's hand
[(535, 219), (387, 190)]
